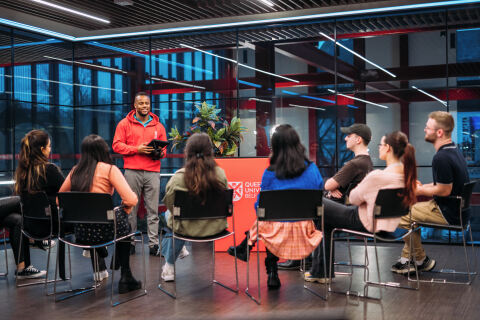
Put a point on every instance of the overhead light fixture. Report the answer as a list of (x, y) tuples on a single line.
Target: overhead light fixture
[(267, 2), (358, 99), (306, 107), (259, 100), (141, 55), (79, 13), (431, 96), (60, 82), (358, 55), (240, 64), (179, 83), (87, 64)]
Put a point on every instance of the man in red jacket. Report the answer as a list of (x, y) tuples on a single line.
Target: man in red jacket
[(141, 162)]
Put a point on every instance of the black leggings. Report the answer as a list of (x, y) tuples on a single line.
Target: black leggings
[(121, 260), (13, 223)]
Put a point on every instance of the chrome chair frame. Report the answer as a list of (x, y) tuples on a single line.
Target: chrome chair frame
[(384, 203), (284, 205), (181, 197), (4, 274), (103, 215), (463, 204), (48, 216)]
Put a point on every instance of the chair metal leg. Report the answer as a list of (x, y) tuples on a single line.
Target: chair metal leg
[(213, 274), (247, 290), (326, 285), (6, 255), (71, 292), (160, 281), (468, 273), (143, 290)]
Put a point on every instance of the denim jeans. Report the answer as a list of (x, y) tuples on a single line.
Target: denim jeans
[(167, 243)]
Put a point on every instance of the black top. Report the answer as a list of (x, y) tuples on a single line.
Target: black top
[(449, 166), (352, 173), (53, 180)]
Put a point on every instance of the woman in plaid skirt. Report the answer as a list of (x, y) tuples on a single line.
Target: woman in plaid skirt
[(289, 169)]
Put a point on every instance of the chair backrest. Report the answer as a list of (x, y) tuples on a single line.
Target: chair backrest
[(35, 207), (86, 207), (290, 205), (218, 204), (467, 194), (389, 204)]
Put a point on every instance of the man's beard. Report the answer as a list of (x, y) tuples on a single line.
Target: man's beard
[(430, 139)]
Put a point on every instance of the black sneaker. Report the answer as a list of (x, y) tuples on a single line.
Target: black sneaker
[(403, 268), (30, 272), (155, 251), (427, 265)]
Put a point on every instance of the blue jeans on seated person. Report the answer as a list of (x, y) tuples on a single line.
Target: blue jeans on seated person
[(167, 243)]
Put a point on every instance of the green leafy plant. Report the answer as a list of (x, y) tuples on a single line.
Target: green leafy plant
[(225, 136)]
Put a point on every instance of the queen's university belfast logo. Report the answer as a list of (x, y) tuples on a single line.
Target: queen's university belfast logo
[(237, 190)]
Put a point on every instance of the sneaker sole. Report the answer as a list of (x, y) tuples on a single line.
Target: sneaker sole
[(429, 267), (36, 276), (404, 272), (319, 280)]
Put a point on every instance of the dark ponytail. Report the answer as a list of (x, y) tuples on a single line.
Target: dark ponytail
[(31, 162), (404, 151)]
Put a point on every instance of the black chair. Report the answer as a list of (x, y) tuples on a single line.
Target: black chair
[(388, 204), (7, 206), (286, 205), (463, 205), (218, 205), (94, 208), (36, 210)]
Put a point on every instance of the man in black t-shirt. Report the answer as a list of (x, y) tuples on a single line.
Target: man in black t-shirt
[(352, 172), (450, 173)]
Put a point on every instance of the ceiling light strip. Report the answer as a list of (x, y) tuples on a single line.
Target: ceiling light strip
[(305, 107), (179, 83), (60, 82), (87, 64), (358, 99), (238, 63), (259, 100), (431, 96), (358, 55), (79, 13)]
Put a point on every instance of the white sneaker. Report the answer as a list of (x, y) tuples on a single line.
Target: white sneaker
[(168, 273), (184, 253), (99, 276), (86, 253)]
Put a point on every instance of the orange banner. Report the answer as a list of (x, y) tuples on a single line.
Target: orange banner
[(244, 175)]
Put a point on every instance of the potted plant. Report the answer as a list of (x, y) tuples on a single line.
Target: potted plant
[(225, 136)]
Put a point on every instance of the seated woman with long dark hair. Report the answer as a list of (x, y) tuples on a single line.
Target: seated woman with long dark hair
[(96, 173), (401, 172), (199, 175), (35, 174), (289, 169)]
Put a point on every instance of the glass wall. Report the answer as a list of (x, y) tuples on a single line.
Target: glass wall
[(388, 71)]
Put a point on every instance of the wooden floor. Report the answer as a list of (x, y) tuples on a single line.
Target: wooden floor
[(197, 299)]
